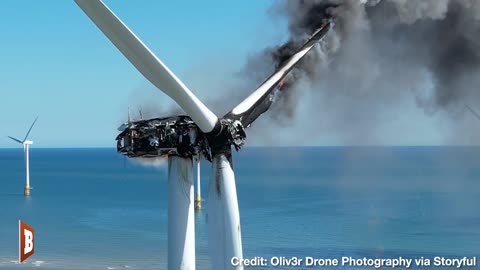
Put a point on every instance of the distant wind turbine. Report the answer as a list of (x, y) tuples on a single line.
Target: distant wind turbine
[(26, 144)]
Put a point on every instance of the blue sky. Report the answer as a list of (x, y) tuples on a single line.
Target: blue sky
[(56, 64)]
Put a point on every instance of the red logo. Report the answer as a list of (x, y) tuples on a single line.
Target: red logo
[(26, 241)]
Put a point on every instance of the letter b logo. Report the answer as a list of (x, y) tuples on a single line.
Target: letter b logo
[(26, 245)]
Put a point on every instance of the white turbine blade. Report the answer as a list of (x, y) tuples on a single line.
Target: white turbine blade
[(250, 108), (181, 223), (147, 63), (223, 217), (15, 139), (30, 129), (473, 111)]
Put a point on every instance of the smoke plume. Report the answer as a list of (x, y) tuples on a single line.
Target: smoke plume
[(388, 72), (158, 162), (381, 59)]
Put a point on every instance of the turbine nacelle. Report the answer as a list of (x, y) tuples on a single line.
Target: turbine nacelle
[(177, 135), (26, 144)]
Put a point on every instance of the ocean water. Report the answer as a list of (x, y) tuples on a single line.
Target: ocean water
[(93, 209)]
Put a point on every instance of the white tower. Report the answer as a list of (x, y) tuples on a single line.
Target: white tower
[(198, 196), (181, 223), (26, 190), (26, 149)]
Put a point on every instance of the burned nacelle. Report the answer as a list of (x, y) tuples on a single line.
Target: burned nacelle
[(177, 135)]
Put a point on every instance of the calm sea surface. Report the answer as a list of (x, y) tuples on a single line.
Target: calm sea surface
[(93, 209)]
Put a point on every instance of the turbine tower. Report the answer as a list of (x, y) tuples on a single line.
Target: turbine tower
[(223, 218), (198, 196), (26, 146)]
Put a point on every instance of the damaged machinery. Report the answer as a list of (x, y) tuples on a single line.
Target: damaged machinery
[(176, 135)]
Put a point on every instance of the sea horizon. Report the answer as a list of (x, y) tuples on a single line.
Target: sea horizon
[(92, 208), (262, 146)]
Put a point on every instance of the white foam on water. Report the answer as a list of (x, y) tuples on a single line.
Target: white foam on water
[(113, 268), (38, 263)]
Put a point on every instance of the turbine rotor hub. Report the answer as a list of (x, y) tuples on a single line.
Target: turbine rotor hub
[(231, 132)]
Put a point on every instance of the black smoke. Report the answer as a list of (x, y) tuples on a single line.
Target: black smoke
[(379, 55)]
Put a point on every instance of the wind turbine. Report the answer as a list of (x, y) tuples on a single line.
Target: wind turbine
[(217, 135), (26, 143)]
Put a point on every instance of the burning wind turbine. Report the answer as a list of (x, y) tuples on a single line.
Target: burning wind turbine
[(26, 143), (200, 132)]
